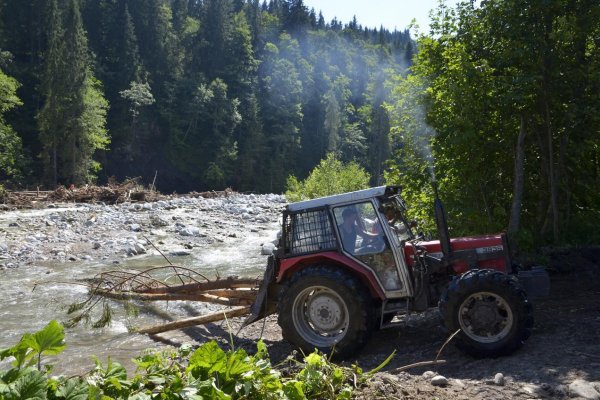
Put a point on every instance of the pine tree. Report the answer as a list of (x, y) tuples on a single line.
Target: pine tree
[(72, 120)]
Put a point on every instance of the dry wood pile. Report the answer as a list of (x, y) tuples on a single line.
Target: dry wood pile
[(113, 193)]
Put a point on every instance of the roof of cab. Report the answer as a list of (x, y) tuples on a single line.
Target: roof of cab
[(344, 198)]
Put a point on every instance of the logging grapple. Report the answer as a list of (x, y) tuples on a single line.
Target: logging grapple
[(348, 264)]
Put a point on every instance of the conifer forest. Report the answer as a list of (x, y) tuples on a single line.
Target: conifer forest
[(498, 102)]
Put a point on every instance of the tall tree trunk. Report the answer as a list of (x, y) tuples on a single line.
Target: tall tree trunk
[(517, 200), (54, 162), (552, 175)]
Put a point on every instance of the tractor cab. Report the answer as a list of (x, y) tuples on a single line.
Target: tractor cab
[(352, 228)]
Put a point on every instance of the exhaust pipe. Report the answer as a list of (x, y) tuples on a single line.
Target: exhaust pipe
[(441, 223)]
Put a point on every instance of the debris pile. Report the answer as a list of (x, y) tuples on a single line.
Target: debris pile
[(113, 193)]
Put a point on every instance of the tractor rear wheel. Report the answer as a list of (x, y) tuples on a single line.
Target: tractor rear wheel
[(325, 308), (492, 311)]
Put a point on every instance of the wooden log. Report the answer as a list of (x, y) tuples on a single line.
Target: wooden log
[(207, 298), (234, 293), (228, 283), (200, 320)]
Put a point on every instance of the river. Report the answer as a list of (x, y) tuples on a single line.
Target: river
[(225, 240)]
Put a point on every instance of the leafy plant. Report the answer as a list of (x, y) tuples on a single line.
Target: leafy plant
[(31, 347), (209, 372), (330, 177)]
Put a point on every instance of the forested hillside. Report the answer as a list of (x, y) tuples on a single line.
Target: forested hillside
[(206, 94)]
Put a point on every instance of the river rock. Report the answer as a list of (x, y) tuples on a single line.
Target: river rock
[(139, 248), (135, 227), (157, 221), (439, 380), (190, 231), (179, 253), (499, 379), (3, 247), (267, 249), (428, 374), (583, 388)]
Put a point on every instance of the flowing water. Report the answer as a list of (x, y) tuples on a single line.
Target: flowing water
[(32, 295)]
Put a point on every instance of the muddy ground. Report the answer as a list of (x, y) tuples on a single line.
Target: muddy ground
[(564, 348)]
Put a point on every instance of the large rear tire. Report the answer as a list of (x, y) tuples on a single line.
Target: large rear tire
[(492, 311), (325, 308)]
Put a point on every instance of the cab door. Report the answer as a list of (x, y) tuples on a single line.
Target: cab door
[(367, 237)]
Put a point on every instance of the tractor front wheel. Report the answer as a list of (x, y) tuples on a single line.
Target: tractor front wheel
[(325, 308), (492, 311)]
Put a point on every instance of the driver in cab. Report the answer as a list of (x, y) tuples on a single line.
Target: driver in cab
[(349, 231)]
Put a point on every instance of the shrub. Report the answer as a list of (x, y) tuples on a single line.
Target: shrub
[(330, 177)]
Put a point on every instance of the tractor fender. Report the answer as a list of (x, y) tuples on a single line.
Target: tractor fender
[(289, 266)]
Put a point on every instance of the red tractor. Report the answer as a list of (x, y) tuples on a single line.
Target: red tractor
[(348, 264)]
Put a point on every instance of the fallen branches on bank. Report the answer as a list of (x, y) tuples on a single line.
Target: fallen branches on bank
[(113, 193)]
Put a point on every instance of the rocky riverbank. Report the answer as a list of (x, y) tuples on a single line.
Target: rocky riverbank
[(112, 233), (74, 241)]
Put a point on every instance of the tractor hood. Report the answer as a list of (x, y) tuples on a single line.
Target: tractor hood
[(485, 251)]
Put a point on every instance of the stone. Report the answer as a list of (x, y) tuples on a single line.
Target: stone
[(179, 253), (157, 221), (267, 249), (14, 224), (459, 383), (585, 389), (3, 247), (135, 227), (428, 374), (96, 245), (190, 231), (439, 380), (139, 248), (499, 379), (531, 390)]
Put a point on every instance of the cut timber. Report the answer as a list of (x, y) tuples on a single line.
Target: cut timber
[(227, 283), (203, 319), (210, 297)]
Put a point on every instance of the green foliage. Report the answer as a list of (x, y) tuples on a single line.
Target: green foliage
[(330, 177), (139, 95), (207, 373), (481, 72), (31, 347), (10, 142), (72, 121), (291, 88)]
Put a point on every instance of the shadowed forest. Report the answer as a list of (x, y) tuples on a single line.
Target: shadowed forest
[(208, 93), (498, 102)]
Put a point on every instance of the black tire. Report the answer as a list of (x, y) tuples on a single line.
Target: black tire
[(492, 311), (326, 308)]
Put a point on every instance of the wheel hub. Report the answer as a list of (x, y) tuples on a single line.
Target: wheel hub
[(320, 316), (485, 317), (324, 313)]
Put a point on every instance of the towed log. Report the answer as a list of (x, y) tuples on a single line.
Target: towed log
[(200, 320), (227, 283)]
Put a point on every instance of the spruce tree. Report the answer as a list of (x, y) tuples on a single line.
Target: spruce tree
[(72, 120)]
